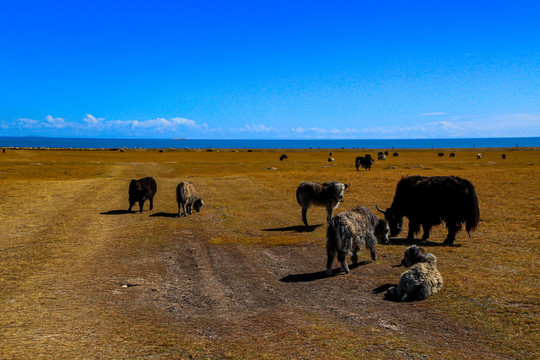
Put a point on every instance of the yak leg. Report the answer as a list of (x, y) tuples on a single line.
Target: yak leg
[(329, 211), (179, 209), (427, 230), (131, 203), (188, 209), (331, 254), (413, 229), (354, 257), (341, 259), (141, 204), (304, 216), (453, 228), (151, 203)]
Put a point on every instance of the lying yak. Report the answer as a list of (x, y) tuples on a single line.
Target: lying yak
[(141, 190), (421, 280), (187, 199), (428, 201), (351, 230), (328, 195)]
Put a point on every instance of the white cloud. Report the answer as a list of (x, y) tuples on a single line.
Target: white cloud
[(258, 128), (92, 121), (29, 123), (510, 125), (58, 123)]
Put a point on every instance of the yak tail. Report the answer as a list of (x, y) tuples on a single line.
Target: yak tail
[(298, 196), (334, 237), (472, 217)]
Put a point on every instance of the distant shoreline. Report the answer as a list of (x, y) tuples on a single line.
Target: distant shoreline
[(313, 144)]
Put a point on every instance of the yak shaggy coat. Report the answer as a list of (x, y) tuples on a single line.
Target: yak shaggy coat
[(328, 195), (141, 190), (351, 230), (187, 198), (421, 280), (428, 201)]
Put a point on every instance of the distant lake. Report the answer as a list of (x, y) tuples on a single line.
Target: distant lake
[(268, 144)]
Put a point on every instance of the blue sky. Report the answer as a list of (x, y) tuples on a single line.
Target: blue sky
[(270, 69)]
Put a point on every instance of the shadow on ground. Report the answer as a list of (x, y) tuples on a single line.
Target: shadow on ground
[(419, 242), (297, 228), (116, 212), (307, 277), (164, 214)]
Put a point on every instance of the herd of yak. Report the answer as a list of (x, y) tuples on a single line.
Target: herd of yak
[(425, 201)]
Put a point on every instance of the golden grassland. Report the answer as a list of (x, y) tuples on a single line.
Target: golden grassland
[(66, 247)]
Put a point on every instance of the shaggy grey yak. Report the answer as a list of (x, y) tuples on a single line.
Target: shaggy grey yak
[(328, 195), (349, 231), (421, 280), (141, 190), (187, 198)]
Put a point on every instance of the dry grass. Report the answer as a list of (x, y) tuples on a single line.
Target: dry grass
[(63, 259)]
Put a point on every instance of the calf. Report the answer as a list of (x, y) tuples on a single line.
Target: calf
[(141, 190), (328, 195), (351, 230), (421, 280), (187, 198)]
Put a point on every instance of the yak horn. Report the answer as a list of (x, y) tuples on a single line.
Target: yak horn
[(378, 208)]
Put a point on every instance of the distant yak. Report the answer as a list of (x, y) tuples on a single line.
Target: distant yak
[(364, 161)]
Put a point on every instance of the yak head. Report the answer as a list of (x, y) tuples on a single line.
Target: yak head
[(413, 255), (339, 190), (394, 221), (381, 232), (198, 204)]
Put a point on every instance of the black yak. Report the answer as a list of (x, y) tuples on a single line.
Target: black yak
[(141, 190), (428, 201), (363, 161)]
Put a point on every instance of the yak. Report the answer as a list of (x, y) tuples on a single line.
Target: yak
[(421, 280), (328, 194), (364, 161), (428, 201), (350, 231), (141, 190), (187, 198)]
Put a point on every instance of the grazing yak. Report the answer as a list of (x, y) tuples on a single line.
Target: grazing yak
[(364, 161), (428, 201), (395, 154), (441, 154), (382, 157), (452, 154), (283, 157), (503, 156), (187, 198), (331, 160), (350, 231), (141, 190), (328, 195), (478, 156), (421, 280)]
